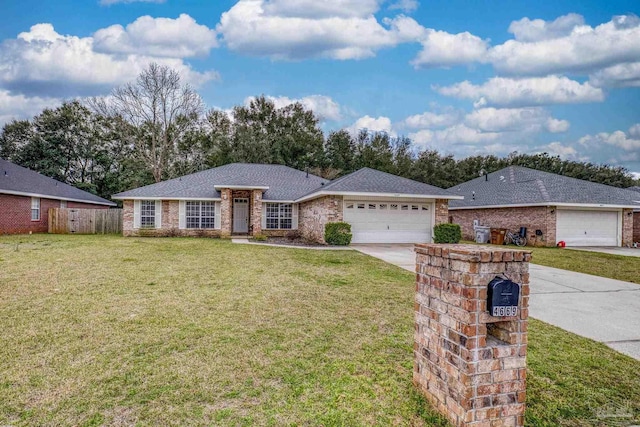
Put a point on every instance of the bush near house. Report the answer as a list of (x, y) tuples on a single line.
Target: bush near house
[(447, 233), (337, 233)]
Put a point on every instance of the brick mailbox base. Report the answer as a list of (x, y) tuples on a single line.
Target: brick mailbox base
[(469, 365)]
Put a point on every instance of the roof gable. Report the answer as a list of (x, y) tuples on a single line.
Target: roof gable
[(367, 180), (15, 179), (517, 185)]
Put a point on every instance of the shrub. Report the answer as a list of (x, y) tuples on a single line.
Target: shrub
[(447, 233), (260, 238), (337, 233), (294, 235)]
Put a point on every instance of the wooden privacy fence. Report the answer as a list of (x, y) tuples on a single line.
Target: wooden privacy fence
[(85, 221)]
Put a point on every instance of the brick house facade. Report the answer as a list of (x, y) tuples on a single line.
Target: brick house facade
[(278, 201), (15, 213), (26, 197), (543, 218), (636, 227)]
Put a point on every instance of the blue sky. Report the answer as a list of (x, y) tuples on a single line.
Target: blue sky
[(484, 77)]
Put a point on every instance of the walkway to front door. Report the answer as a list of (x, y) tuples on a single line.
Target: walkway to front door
[(241, 215)]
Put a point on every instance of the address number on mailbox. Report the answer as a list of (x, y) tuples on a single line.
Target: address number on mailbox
[(502, 297)]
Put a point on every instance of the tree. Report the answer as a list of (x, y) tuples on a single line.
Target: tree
[(373, 150), (159, 111), (339, 151), (15, 135)]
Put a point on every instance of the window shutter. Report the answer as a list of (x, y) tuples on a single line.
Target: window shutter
[(182, 215), (158, 213), (264, 216), (216, 219), (294, 216), (136, 214)]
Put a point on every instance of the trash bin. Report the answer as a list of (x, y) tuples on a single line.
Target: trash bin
[(497, 236), (482, 234)]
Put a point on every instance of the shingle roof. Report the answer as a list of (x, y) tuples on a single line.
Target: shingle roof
[(368, 180), (284, 183), (15, 179), (516, 185)]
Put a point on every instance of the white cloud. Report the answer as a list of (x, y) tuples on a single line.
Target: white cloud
[(45, 62), (380, 124), (456, 135), (564, 151), (324, 107), (501, 91), (442, 49), (527, 30), (306, 29), (22, 107), (634, 131), (406, 6), (429, 119), (178, 38), (320, 9), (110, 2), (557, 126), (617, 139), (585, 49), (514, 119), (621, 75)]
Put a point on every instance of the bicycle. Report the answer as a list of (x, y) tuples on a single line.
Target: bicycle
[(515, 238)]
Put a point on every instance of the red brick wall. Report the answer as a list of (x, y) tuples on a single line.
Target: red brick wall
[(534, 218), (15, 213)]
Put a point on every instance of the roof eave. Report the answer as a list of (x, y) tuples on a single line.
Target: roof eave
[(322, 193), (52, 197), (559, 204), (124, 197), (242, 187)]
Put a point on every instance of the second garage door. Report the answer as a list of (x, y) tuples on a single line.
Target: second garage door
[(388, 221), (587, 228)]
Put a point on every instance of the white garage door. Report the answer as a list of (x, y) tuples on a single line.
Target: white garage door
[(388, 221), (587, 228)]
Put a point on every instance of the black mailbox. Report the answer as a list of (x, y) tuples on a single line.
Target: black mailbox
[(502, 297)]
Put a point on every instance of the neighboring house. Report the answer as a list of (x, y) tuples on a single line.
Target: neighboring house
[(636, 218), (275, 200), (26, 197), (559, 208)]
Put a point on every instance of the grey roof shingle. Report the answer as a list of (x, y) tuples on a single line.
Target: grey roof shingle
[(284, 183), (368, 180), (516, 185), (16, 179)]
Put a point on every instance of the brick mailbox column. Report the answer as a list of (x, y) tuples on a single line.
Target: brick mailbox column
[(469, 365)]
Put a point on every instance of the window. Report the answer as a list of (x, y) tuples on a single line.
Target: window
[(424, 208), (148, 213), (63, 203), (349, 205), (383, 206), (372, 205), (35, 209), (200, 214), (404, 207), (279, 215), (415, 207), (360, 205)]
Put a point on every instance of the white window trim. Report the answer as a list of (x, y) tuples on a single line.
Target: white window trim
[(182, 214), (137, 214), (294, 215), (35, 206)]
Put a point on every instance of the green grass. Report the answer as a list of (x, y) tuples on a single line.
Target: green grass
[(618, 267), (104, 330)]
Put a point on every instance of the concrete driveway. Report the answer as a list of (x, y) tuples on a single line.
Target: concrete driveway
[(604, 310), (613, 251)]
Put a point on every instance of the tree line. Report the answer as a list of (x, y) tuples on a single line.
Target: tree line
[(156, 128)]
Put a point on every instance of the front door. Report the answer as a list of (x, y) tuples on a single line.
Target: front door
[(240, 215)]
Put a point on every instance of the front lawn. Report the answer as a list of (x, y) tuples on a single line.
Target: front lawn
[(104, 330), (618, 267)]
